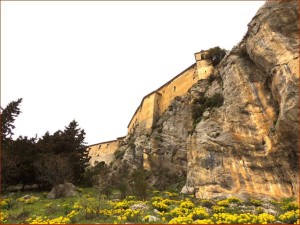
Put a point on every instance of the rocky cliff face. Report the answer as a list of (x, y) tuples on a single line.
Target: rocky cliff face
[(248, 145)]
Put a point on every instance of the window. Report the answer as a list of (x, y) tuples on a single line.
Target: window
[(99, 147), (174, 88)]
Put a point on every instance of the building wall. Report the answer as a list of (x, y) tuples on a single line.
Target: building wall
[(156, 103), (204, 69), (177, 87), (146, 113), (103, 152)]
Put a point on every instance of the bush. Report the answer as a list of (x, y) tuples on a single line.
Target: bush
[(200, 105), (139, 183), (216, 54), (290, 216), (119, 154)]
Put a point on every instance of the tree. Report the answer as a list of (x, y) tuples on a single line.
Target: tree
[(139, 183), (70, 143), (54, 169), (8, 116), (73, 138), (10, 160), (216, 54)]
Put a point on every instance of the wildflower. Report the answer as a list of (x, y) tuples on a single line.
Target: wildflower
[(4, 216), (290, 216), (187, 204)]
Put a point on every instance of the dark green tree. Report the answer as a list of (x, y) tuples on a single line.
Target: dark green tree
[(74, 145), (8, 116), (25, 152), (70, 144), (9, 159), (216, 54)]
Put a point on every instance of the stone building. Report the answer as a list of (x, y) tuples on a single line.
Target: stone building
[(154, 104)]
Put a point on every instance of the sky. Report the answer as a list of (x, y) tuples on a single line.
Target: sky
[(94, 61)]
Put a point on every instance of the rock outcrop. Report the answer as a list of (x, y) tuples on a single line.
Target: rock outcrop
[(249, 146), (245, 140), (62, 191)]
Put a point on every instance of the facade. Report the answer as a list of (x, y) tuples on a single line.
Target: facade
[(154, 105)]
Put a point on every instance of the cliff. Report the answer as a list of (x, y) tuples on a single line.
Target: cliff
[(235, 133)]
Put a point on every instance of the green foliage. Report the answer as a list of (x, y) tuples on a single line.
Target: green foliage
[(202, 104), (216, 54), (54, 169), (119, 154), (8, 115), (27, 161), (139, 183), (68, 143)]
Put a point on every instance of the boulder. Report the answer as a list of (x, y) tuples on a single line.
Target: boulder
[(151, 218), (139, 206), (62, 190)]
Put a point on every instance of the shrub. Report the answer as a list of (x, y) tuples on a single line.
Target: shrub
[(255, 202), (290, 216), (139, 183), (187, 204), (288, 206), (200, 105), (199, 214), (181, 220), (207, 203), (216, 54), (119, 154), (160, 206)]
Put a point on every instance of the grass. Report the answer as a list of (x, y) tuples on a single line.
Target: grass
[(167, 207)]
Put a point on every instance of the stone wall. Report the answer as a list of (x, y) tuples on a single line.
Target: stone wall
[(103, 151)]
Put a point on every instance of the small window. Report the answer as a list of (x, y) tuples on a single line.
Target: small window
[(174, 88), (107, 145), (99, 147)]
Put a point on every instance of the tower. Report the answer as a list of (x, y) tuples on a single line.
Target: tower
[(204, 64)]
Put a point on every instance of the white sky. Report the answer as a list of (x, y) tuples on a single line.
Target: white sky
[(95, 61)]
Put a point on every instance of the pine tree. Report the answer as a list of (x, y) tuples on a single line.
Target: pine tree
[(8, 116), (73, 138), (70, 145)]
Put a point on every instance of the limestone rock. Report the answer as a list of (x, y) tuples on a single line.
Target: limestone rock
[(247, 147), (187, 190), (151, 219), (62, 190), (139, 206), (255, 151)]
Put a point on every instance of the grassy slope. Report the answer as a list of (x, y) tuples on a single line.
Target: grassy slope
[(171, 207)]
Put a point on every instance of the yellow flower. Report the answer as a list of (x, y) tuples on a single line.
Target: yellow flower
[(290, 216), (4, 216), (187, 204), (160, 206)]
